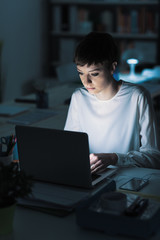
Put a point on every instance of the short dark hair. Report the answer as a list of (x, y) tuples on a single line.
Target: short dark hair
[(96, 47)]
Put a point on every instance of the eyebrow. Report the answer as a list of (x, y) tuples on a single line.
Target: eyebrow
[(96, 69)]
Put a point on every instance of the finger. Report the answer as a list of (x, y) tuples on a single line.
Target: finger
[(92, 166), (96, 165), (100, 165), (93, 159), (96, 169), (93, 171)]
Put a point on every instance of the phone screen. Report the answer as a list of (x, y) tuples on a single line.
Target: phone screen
[(134, 184)]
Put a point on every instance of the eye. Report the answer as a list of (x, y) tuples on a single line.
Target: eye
[(80, 73), (95, 74)]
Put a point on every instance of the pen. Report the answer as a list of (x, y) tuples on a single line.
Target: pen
[(11, 144)]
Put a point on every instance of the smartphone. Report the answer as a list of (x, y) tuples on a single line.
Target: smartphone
[(134, 184)]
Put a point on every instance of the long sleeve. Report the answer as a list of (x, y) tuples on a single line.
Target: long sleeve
[(72, 121), (148, 154), (124, 125)]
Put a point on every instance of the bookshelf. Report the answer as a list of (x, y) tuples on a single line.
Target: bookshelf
[(134, 24)]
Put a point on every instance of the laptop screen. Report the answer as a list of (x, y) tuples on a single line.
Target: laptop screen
[(55, 156)]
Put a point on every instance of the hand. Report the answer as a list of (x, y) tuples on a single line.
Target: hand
[(100, 161)]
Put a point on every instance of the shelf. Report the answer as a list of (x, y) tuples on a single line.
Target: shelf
[(133, 23), (104, 2), (115, 35), (135, 36)]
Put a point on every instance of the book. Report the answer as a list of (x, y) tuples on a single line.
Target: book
[(56, 18)]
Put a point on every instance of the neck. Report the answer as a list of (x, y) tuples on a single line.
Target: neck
[(111, 90)]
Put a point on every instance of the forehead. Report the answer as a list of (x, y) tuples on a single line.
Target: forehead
[(93, 67)]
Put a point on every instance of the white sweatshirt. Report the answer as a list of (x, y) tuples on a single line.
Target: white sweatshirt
[(124, 125)]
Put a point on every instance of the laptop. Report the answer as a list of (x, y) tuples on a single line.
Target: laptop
[(57, 156)]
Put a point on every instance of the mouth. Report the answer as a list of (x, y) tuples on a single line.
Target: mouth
[(90, 89)]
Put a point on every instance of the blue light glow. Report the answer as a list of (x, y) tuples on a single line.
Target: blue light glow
[(132, 61)]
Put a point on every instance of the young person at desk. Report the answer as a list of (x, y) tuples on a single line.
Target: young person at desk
[(117, 115)]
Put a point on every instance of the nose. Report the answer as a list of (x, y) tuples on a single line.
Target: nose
[(87, 79)]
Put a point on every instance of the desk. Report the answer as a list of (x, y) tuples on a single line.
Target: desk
[(33, 225)]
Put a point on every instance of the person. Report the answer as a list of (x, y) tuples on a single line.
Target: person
[(118, 116)]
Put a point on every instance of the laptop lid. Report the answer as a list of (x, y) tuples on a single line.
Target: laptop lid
[(54, 155), (57, 156)]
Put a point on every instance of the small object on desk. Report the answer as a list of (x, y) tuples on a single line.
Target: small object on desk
[(7, 145), (25, 100), (42, 99), (134, 184), (4, 144), (11, 144)]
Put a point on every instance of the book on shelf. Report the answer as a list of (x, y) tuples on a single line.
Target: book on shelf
[(107, 20), (65, 24), (73, 19), (123, 20), (151, 21), (66, 50), (84, 23), (134, 28), (142, 21), (60, 18), (56, 18)]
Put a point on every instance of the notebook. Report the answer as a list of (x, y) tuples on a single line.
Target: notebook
[(57, 156)]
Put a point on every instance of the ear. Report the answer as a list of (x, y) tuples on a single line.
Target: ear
[(113, 67)]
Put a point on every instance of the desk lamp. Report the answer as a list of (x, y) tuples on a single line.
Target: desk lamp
[(132, 63)]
